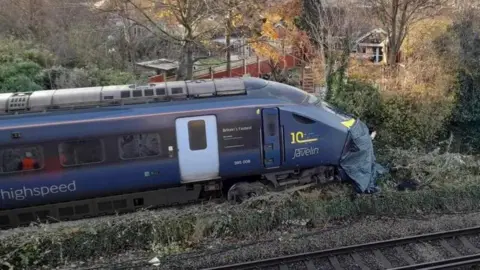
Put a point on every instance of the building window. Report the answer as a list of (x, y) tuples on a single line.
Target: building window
[(81, 152), (139, 145), (27, 158), (197, 135)]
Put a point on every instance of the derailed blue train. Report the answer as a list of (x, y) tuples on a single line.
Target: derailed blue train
[(117, 148)]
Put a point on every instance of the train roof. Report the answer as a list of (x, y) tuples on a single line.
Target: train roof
[(249, 92)]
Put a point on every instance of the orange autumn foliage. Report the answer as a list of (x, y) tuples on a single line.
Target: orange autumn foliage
[(278, 33)]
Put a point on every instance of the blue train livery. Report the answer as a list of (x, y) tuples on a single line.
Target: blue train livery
[(58, 146)]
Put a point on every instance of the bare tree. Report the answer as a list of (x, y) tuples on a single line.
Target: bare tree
[(235, 17), (331, 27), (24, 18), (397, 17), (186, 23), (69, 29)]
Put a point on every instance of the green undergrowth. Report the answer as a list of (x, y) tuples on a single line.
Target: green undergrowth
[(455, 188)]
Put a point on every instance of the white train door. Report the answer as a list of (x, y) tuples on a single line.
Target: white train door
[(197, 145)]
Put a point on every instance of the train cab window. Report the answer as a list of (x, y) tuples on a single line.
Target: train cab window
[(302, 119), (197, 135), (20, 159), (81, 152), (139, 145)]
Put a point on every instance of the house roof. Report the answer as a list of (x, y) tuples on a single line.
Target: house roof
[(374, 31), (160, 64)]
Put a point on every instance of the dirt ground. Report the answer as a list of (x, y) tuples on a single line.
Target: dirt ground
[(292, 238)]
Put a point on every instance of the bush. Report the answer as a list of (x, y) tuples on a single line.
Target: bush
[(20, 76), (28, 67), (61, 77), (413, 121), (359, 98), (402, 119), (459, 47), (12, 51), (21, 64)]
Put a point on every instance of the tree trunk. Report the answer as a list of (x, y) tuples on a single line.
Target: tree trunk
[(392, 46), (228, 34), (229, 56), (189, 61), (185, 67)]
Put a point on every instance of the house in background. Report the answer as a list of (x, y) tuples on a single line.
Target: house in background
[(371, 46), (239, 47)]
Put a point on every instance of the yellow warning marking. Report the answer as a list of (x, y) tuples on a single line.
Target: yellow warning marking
[(349, 123)]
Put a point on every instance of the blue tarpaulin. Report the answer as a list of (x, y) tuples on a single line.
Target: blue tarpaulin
[(359, 162)]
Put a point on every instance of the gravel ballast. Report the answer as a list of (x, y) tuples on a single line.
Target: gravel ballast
[(297, 239)]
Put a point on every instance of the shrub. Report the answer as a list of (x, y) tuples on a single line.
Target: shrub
[(12, 51), (410, 121), (359, 98), (60, 77), (20, 65), (26, 66), (459, 47), (20, 76)]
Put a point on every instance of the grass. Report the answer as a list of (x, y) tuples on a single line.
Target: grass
[(448, 185)]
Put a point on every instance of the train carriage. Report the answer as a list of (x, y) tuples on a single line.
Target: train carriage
[(118, 148)]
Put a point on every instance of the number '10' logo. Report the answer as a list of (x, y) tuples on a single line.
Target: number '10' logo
[(297, 137)]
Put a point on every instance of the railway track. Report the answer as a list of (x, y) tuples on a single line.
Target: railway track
[(457, 248)]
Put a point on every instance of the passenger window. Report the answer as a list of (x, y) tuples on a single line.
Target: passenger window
[(139, 145), (177, 90), (137, 93), (125, 94), (148, 92), (18, 159), (81, 152), (160, 91), (197, 135)]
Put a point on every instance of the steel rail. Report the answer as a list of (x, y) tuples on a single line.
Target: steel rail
[(277, 261), (444, 264)]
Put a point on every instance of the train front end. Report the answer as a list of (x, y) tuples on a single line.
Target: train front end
[(350, 143), (318, 134)]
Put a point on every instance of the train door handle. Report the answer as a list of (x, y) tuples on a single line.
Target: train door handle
[(269, 146)]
